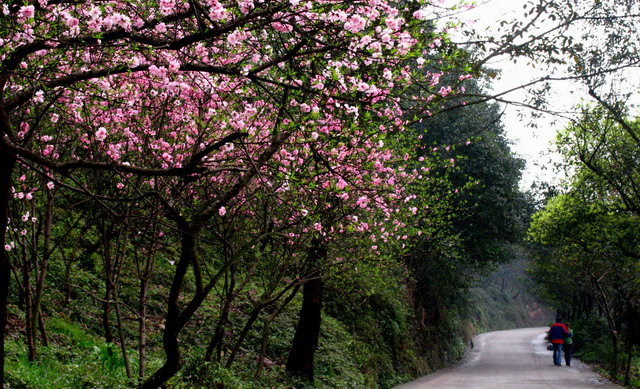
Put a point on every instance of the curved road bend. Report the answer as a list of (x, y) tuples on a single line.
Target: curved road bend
[(513, 359)]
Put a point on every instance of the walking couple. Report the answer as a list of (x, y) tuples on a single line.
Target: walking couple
[(561, 336)]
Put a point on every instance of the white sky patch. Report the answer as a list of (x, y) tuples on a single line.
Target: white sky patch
[(531, 139)]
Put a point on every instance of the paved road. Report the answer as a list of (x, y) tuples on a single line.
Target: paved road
[(514, 359)]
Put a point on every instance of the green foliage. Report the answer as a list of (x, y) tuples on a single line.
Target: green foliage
[(336, 364), (592, 344), (75, 360), (69, 333), (109, 357), (374, 311), (198, 374), (349, 354), (474, 215), (591, 339), (487, 208), (589, 237)]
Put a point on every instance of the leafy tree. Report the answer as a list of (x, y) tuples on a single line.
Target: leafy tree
[(490, 210), (477, 210), (599, 143), (592, 229), (594, 254)]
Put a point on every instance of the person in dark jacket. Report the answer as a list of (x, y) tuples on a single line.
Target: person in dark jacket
[(557, 333)]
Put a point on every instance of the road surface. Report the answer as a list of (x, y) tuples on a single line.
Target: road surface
[(514, 359)]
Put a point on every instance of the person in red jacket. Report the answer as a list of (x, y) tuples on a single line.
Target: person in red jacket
[(557, 333)]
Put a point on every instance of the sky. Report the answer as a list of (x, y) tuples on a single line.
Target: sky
[(534, 144), (531, 144), (532, 139)]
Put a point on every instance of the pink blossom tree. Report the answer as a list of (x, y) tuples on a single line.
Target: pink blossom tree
[(214, 103)]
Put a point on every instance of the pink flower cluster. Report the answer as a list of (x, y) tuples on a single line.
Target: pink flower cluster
[(311, 117)]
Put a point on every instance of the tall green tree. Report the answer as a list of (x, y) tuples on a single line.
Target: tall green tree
[(592, 229), (480, 210)]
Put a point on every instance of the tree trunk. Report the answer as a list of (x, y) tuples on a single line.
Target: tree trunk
[(41, 274), (7, 164), (172, 321), (145, 279), (615, 362), (67, 283), (627, 367), (142, 331), (123, 344), (267, 330), (305, 340), (5, 278), (28, 298), (109, 284), (43, 330), (603, 304), (145, 272), (632, 339), (218, 335), (231, 294), (245, 330), (106, 313)]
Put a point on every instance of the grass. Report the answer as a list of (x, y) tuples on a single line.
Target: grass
[(75, 359)]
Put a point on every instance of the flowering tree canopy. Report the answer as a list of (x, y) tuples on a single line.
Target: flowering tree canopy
[(167, 89), (216, 103)]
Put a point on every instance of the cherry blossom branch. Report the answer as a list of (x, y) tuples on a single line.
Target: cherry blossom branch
[(248, 177), (190, 168)]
